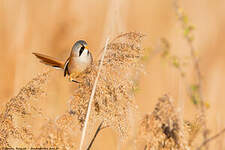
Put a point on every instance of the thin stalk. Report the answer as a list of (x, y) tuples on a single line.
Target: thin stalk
[(197, 69), (92, 97), (96, 133), (211, 138)]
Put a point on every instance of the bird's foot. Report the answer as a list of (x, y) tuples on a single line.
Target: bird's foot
[(71, 78), (75, 81)]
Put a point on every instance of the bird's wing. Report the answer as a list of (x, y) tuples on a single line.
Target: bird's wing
[(66, 71)]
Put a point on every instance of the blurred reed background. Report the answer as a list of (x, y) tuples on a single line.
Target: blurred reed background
[(52, 26)]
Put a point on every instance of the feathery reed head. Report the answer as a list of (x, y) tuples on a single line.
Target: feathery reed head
[(113, 101), (114, 96), (163, 129), (20, 108)]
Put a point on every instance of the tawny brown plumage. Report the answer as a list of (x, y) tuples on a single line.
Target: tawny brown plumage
[(48, 60)]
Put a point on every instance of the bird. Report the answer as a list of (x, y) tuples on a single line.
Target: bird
[(79, 60)]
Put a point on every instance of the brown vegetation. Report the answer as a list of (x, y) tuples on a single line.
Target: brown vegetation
[(189, 67)]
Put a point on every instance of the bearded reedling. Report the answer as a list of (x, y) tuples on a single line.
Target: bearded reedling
[(79, 60)]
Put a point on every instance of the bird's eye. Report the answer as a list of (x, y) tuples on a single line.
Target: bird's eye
[(81, 50)]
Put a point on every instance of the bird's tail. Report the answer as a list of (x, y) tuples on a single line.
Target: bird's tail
[(50, 60)]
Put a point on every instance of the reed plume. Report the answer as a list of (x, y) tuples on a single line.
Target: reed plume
[(163, 129), (113, 101)]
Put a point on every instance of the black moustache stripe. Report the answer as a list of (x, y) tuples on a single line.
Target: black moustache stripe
[(81, 50)]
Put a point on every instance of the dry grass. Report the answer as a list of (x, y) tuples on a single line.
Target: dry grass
[(163, 129), (114, 96), (18, 108), (113, 100), (113, 106), (24, 123)]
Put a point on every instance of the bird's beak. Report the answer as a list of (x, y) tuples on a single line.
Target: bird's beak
[(86, 47)]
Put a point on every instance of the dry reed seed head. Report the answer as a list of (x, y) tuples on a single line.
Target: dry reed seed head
[(114, 95), (54, 137), (6, 127), (162, 129), (20, 137), (193, 129), (32, 90), (67, 121), (113, 101), (18, 108)]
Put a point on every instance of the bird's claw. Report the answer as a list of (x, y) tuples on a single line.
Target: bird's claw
[(75, 81), (71, 79)]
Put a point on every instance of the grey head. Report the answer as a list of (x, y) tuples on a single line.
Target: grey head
[(79, 47)]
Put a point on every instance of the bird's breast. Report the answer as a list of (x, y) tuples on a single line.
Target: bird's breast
[(79, 64)]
